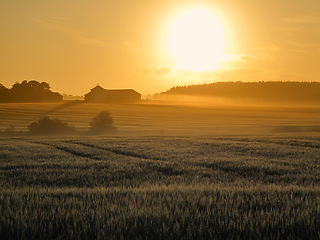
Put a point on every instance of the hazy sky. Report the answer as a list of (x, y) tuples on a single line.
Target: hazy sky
[(76, 44)]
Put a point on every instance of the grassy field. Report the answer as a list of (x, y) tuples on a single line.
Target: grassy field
[(239, 181), (157, 119)]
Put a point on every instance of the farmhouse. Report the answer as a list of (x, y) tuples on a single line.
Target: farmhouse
[(101, 95), (53, 97)]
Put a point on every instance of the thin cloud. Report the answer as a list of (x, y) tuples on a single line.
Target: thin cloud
[(266, 52), (75, 34), (238, 57), (250, 55), (185, 77), (305, 19), (302, 24), (157, 70)]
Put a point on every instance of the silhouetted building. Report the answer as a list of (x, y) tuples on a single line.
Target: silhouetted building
[(101, 95), (53, 97), (97, 94)]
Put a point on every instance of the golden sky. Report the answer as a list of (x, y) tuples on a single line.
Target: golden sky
[(76, 44)]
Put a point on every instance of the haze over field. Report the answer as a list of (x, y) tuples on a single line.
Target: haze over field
[(189, 117), (184, 119)]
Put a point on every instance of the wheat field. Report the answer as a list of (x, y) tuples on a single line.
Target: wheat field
[(241, 180)]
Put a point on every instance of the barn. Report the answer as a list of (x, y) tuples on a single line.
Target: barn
[(101, 95)]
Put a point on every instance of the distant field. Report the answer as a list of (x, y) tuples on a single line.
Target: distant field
[(158, 119), (187, 187)]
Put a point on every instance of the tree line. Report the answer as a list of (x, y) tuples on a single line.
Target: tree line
[(286, 91), (29, 91)]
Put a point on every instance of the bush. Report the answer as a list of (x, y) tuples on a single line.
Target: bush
[(102, 123), (50, 126), (11, 131)]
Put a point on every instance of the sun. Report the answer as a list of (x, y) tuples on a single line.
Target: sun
[(196, 40)]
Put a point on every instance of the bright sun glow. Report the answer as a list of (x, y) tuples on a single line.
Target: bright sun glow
[(196, 40)]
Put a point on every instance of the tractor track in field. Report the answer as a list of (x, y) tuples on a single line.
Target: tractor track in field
[(295, 143), (70, 151), (94, 156), (117, 151)]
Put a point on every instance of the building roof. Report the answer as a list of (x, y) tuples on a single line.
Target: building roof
[(98, 88), (122, 90)]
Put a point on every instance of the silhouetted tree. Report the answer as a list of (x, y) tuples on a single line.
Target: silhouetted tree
[(50, 126), (32, 91), (102, 123), (3, 93), (2, 87), (45, 86)]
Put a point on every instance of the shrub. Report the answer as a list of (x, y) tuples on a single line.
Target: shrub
[(10, 131), (102, 123), (50, 126)]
